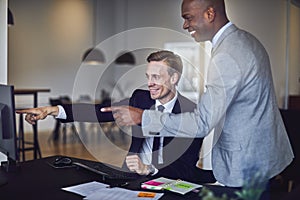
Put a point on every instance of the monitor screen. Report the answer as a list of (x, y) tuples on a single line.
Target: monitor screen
[(8, 138)]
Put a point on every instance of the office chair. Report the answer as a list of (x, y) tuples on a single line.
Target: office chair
[(55, 133), (292, 124), (23, 144)]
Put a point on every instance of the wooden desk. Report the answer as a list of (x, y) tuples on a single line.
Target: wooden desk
[(34, 92)]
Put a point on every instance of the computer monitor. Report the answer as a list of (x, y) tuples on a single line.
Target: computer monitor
[(8, 138)]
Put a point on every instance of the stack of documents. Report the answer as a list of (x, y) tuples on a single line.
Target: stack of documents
[(96, 190)]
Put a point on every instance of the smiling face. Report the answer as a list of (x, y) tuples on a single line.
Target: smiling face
[(198, 18), (161, 84)]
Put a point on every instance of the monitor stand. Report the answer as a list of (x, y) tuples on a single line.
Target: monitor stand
[(9, 165)]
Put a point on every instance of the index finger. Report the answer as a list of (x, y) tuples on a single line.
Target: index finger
[(25, 111), (110, 109)]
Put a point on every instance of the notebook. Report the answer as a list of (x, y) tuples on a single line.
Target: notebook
[(178, 186)]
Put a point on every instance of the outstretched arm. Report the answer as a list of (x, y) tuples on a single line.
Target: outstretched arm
[(35, 114), (125, 115)]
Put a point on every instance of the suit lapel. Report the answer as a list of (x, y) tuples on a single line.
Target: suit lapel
[(176, 109), (228, 31)]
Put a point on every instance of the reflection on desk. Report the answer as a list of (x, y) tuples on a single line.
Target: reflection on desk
[(37, 179)]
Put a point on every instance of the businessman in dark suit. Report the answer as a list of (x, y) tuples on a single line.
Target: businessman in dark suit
[(167, 156)]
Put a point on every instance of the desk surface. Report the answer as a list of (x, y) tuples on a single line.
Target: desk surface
[(36, 179)]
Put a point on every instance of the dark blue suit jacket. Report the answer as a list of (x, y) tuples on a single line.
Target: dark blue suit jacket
[(180, 154)]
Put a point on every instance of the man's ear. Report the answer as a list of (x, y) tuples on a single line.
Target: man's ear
[(174, 78), (210, 14)]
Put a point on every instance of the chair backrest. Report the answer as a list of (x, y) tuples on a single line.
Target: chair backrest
[(54, 102), (59, 101), (65, 99)]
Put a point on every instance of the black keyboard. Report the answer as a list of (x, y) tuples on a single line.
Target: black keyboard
[(108, 172)]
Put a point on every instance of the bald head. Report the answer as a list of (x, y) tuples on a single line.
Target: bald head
[(203, 18), (217, 4)]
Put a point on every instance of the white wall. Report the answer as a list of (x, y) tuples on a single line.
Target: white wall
[(294, 73), (267, 21), (47, 42), (45, 46), (3, 42), (3, 49)]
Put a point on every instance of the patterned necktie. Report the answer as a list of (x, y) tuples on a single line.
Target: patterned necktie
[(156, 142), (160, 108)]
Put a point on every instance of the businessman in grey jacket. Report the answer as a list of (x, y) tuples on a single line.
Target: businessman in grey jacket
[(239, 102)]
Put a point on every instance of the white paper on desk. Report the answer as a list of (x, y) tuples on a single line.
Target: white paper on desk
[(119, 193), (86, 189)]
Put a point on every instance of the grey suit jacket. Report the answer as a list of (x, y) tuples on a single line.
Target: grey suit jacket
[(240, 105)]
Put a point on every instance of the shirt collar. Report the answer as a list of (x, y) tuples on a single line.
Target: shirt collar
[(219, 33), (169, 105)]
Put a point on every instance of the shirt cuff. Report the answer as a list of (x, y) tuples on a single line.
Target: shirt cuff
[(153, 170), (61, 113), (152, 123)]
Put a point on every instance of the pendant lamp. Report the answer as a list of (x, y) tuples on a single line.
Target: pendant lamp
[(94, 56), (296, 2), (10, 18), (125, 57)]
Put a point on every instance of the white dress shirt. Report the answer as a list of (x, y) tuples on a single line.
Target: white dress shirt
[(61, 113), (219, 33), (146, 152)]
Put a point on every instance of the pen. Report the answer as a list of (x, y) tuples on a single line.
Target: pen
[(118, 185)]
